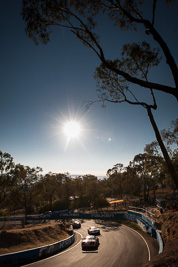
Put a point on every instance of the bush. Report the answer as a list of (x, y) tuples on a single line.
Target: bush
[(4, 213)]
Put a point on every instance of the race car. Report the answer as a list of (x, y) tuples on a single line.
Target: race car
[(93, 230), (76, 224), (90, 242)]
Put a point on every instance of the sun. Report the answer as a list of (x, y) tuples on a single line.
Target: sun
[(72, 129)]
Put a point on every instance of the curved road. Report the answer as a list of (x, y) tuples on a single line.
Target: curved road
[(120, 246)]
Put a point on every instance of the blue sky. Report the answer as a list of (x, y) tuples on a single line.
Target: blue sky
[(42, 87)]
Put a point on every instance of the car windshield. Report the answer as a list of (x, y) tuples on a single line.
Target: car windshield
[(90, 237)]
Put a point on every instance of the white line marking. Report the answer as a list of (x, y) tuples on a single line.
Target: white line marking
[(149, 257), (65, 250)]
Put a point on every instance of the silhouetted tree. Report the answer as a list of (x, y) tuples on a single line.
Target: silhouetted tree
[(114, 76)]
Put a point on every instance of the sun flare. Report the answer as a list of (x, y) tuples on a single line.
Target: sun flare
[(72, 129)]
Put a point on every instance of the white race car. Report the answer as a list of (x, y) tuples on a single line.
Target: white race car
[(93, 230), (90, 242)]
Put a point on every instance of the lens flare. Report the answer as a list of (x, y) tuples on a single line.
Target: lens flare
[(72, 129)]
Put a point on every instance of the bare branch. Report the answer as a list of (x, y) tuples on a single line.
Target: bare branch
[(154, 8)]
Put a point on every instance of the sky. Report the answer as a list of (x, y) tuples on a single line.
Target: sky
[(43, 87)]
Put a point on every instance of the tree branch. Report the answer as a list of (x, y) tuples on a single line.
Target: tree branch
[(154, 8), (151, 30)]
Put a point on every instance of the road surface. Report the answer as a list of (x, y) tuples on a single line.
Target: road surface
[(120, 246)]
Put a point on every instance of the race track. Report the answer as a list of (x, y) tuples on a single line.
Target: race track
[(120, 246)]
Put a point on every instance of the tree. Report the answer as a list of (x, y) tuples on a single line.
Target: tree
[(78, 193), (114, 77), (25, 189), (116, 178), (49, 186), (6, 162), (139, 164), (170, 138), (132, 183), (6, 179), (171, 135), (77, 16), (68, 190), (106, 187), (91, 189)]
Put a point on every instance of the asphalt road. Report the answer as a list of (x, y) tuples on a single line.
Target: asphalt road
[(120, 246)]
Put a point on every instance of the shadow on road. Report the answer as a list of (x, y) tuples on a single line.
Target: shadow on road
[(107, 226), (90, 251)]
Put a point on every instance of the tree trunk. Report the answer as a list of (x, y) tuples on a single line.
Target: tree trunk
[(144, 190), (163, 148), (154, 193)]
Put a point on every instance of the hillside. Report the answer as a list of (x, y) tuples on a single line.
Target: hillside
[(169, 228), (12, 240)]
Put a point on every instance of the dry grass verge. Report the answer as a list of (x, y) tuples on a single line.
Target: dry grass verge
[(13, 240)]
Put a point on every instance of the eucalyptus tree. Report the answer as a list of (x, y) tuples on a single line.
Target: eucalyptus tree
[(78, 192), (139, 165), (170, 137), (115, 77), (67, 190), (131, 182), (26, 188), (49, 187), (78, 186), (6, 179), (106, 187), (116, 179), (149, 169), (91, 189)]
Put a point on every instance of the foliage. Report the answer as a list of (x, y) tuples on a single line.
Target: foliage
[(6, 179), (4, 213), (137, 59), (81, 18), (114, 77), (170, 137), (26, 188), (6, 162)]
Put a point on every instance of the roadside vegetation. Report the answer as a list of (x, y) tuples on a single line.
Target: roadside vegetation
[(23, 187), (14, 239)]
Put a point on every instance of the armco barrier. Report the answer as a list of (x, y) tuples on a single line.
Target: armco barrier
[(22, 257)]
